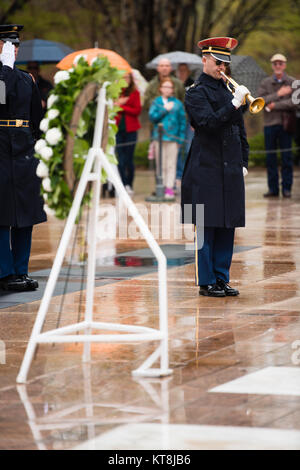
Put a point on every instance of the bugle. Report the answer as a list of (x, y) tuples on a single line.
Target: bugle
[(255, 104)]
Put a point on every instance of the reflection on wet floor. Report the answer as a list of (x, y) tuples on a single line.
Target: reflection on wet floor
[(212, 343)]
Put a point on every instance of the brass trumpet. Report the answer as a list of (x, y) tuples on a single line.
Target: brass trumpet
[(255, 104)]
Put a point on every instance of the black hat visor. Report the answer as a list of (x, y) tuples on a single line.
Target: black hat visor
[(219, 56)]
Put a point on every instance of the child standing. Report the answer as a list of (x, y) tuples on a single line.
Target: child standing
[(169, 111)]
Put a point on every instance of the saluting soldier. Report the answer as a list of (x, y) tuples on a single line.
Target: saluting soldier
[(215, 168), (21, 205)]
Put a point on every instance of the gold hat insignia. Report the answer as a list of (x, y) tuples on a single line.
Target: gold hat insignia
[(228, 45)]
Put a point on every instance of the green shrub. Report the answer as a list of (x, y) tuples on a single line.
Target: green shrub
[(141, 154), (257, 155)]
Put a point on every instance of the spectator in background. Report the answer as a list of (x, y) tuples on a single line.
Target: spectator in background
[(128, 125), (297, 137), (164, 69), (43, 85), (169, 111), (184, 75), (278, 116)]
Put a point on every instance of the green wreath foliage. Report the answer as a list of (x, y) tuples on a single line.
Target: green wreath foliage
[(49, 149)]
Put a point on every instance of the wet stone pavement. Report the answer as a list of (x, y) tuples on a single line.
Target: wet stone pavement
[(235, 361)]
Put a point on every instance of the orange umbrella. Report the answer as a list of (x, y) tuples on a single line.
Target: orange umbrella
[(89, 54)]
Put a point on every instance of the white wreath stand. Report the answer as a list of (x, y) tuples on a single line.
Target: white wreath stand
[(97, 160)]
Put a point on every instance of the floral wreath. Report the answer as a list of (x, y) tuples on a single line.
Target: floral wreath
[(55, 127)]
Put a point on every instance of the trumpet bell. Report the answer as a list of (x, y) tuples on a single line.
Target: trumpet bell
[(256, 104)]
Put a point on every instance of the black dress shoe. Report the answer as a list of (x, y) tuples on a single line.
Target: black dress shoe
[(271, 194), (286, 193), (13, 283), (212, 290), (32, 284), (230, 291)]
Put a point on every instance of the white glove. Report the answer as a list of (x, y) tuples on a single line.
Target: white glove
[(245, 171), (7, 56), (239, 95)]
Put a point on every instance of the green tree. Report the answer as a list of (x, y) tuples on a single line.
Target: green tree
[(9, 7), (141, 29)]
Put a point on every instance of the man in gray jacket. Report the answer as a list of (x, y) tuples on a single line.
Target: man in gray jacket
[(277, 92), (164, 69)]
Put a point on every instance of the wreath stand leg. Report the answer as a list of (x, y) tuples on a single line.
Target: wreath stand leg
[(92, 173)]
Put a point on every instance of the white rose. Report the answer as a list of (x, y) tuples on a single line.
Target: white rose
[(39, 145), (61, 76), (42, 170), (79, 57), (52, 114), (47, 185), (44, 124), (93, 60), (51, 100), (46, 153), (53, 136), (48, 210)]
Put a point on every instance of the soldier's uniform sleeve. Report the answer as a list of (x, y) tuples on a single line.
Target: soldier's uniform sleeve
[(36, 112), (244, 142), (201, 112)]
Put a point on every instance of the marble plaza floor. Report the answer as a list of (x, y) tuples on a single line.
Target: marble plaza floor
[(235, 361)]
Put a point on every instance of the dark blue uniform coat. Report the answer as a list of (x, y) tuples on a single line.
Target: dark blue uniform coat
[(213, 173), (21, 204)]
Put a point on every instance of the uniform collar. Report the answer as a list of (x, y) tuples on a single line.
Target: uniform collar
[(208, 80)]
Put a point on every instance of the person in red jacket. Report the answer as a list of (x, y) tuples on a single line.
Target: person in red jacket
[(128, 125)]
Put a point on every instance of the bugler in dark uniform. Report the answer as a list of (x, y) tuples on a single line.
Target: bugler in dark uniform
[(213, 174), (21, 205)]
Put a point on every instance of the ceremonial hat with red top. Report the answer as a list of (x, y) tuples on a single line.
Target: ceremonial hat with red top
[(219, 48), (10, 32)]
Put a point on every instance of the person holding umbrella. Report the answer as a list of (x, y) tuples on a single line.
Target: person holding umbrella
[(164, 69), (21, 205), (43, 85), (184, 74)]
